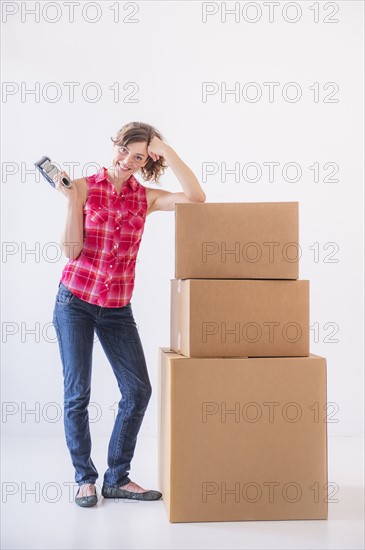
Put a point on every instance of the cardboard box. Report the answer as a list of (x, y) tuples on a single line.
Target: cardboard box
[(235, 318), (242, 438), (237, 240)]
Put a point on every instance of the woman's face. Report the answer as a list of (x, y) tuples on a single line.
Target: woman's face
[(128, 159)]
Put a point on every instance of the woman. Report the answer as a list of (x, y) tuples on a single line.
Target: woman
[(104, 226)]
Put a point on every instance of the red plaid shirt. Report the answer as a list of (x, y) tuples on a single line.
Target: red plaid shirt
[(103, 273)]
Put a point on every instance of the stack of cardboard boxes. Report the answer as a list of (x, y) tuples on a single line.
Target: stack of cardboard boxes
[(242, 402)]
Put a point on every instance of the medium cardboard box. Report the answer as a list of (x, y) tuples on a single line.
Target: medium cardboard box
[(242, 438), (235, 317), (237, 240)]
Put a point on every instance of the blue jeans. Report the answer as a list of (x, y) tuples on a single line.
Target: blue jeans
[(75, 322)]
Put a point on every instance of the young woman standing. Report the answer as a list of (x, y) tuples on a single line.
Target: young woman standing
[(104, 226)]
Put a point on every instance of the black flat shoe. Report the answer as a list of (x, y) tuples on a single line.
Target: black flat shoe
[(86, 501), (115, 492)]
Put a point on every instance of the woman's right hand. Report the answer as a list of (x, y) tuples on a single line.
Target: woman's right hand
[(69, 192)]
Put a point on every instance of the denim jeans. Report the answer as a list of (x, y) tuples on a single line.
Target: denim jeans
[(75, 322)]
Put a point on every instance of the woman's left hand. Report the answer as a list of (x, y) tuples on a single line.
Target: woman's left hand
[(156, 148)]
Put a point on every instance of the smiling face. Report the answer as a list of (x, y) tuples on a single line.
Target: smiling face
[(128, 159)]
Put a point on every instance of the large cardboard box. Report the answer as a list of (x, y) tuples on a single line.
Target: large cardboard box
[(237, 240), (235, 318), (242, 438)]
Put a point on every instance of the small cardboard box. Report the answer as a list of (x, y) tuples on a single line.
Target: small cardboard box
[(237, 240), (235, 317), (242, 438)]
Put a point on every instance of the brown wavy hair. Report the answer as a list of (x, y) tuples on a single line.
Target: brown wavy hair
[(142, 132)]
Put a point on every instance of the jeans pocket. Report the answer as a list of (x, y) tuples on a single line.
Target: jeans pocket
[(64, 295)]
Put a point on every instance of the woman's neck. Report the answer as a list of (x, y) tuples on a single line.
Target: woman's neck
[(117, 181)]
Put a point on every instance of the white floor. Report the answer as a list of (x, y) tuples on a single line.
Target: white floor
[(38, 509)]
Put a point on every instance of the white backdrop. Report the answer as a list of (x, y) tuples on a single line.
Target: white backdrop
[(70, 81)]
